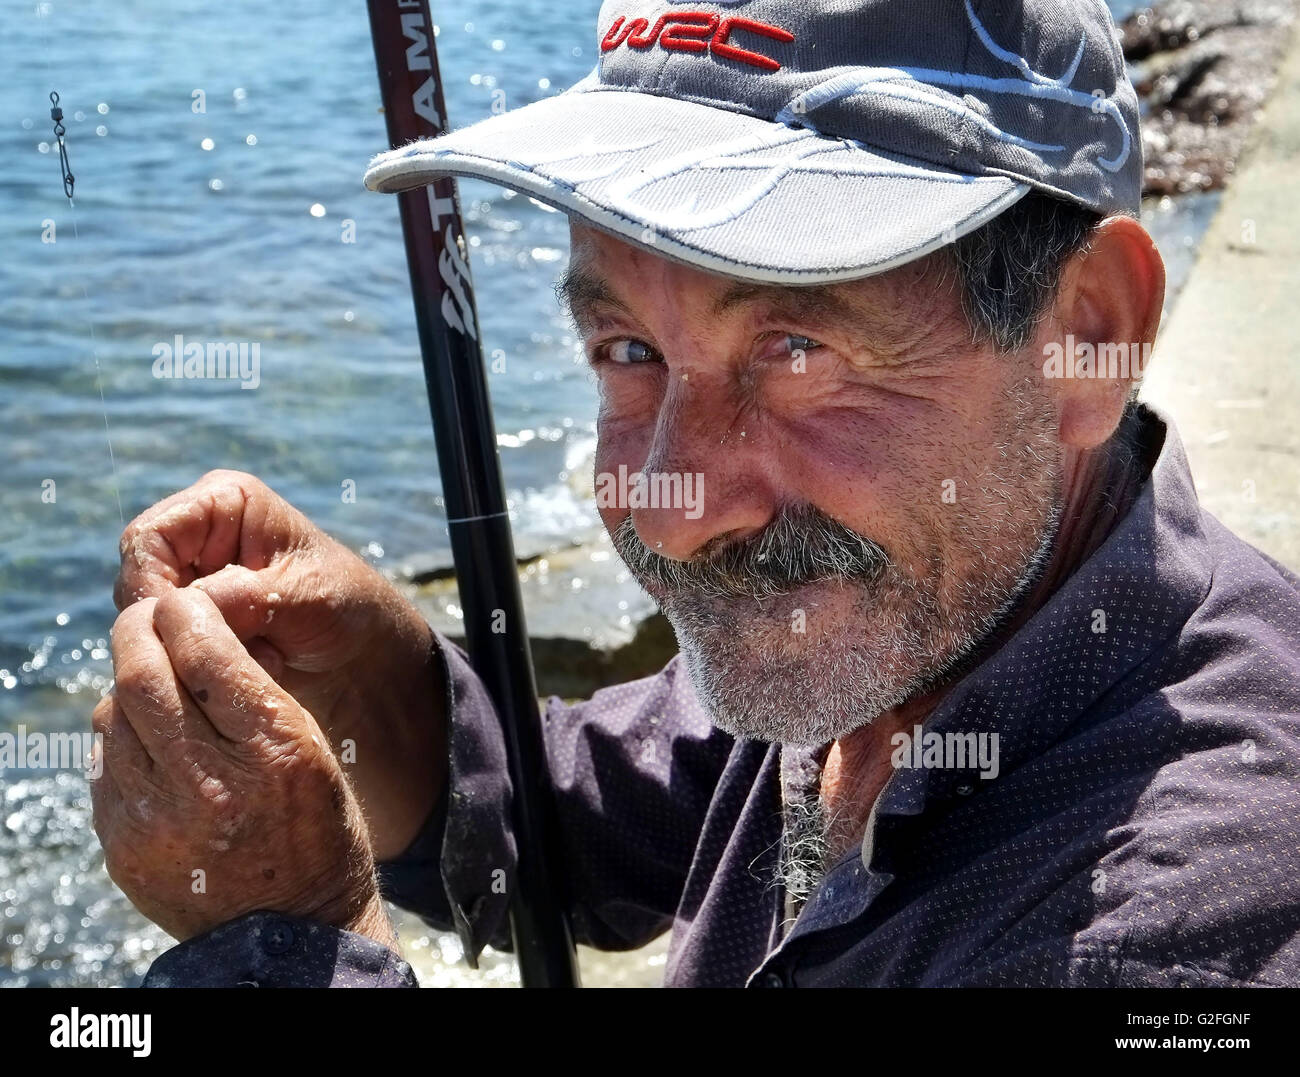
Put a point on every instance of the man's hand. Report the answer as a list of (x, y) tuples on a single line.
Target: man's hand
[(219, 794), (331, 630)]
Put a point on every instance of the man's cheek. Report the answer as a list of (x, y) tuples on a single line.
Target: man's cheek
[(875, 482), (623, 438), (629, 391)]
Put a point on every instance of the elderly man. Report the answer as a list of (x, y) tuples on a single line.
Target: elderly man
[(970, 692)]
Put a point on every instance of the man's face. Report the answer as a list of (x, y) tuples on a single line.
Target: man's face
[(877, 491)]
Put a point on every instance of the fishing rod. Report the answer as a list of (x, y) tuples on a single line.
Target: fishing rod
[(482, 548)]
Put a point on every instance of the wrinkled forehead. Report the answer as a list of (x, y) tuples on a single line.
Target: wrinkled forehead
[(886, 313), (586, 242), (600, 261)]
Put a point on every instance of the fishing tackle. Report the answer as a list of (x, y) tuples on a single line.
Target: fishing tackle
[(56, 114)]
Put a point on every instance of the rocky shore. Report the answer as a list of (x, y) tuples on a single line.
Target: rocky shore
[(590, 624), (1203, 70)]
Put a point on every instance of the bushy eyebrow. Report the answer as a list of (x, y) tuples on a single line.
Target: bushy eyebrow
[(583, 295)]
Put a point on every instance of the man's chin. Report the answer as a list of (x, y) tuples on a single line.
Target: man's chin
[(802, 668)]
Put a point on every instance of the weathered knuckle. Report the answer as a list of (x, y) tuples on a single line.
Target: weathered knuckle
[(321, 586), (196, 767), (141, 682), (132, 621), (186, 630), (291, 771), (131, 533), (226, 476), (268, 752), (224, 484), (169, 603), (127, 767)]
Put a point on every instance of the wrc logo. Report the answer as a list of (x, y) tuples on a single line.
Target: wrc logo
[(695, 31)]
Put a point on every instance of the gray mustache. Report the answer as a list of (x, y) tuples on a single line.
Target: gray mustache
[(801, 545)]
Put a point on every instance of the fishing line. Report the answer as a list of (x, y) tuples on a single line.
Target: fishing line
[(69, 183)]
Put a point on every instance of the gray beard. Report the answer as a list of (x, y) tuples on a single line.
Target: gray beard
[(805, 847), (756, 685)]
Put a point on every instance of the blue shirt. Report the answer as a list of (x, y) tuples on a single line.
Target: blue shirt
[(1143, 827)]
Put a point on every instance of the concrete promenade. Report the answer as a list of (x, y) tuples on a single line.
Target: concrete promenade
[(1226, 365)]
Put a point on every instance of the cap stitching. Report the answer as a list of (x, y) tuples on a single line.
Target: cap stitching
[(901, 258), (964, 137)]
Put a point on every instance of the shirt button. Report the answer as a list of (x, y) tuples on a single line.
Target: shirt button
[(277, 939), (773, 979)]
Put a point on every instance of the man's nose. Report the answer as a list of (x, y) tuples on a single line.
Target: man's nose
[(711, 467)]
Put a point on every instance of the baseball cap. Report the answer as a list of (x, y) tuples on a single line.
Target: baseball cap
[(813, 141)]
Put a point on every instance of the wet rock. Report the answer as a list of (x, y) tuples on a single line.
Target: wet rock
[(589, 623), (1202, 69), (574, 669)]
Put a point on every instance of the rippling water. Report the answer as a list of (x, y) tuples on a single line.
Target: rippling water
[(227, 225)]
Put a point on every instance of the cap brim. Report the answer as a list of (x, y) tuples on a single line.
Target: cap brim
[(730, 193)]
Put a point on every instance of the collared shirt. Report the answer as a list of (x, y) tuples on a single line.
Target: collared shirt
[(1142, 828)]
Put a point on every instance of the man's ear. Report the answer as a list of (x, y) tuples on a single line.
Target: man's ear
[(1111, 295)]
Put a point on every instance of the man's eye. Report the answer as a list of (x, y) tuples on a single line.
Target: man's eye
[(627, 352), (797, 343), (781, 346)]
